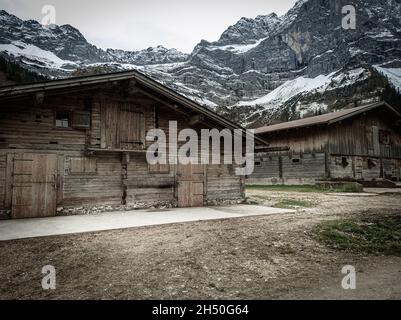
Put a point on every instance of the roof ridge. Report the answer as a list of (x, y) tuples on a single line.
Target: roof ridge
[(327, 118)]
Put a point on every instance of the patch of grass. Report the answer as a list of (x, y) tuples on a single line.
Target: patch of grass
[(291, 204), (305, 188), (257, 196), (375, 236)]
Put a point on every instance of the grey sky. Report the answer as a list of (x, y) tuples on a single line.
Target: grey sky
[(138, 24)]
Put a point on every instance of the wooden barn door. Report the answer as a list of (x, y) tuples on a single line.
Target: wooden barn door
[(190, 185), (34, 186), (132, 128), (123, 126)]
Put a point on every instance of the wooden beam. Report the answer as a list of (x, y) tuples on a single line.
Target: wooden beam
[(98, 150), (272, 149)]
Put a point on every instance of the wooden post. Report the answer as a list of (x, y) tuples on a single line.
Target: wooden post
[(124, 176)]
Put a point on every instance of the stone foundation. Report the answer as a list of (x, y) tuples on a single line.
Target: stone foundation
[(224, 202), (95, 209), (101, 208)]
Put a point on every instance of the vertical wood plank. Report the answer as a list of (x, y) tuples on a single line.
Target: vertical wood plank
[(9, 178), (60, 179)]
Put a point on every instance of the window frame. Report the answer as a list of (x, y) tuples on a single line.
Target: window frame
[(81, 112), (258, 163), (385, 137), (69, 120)]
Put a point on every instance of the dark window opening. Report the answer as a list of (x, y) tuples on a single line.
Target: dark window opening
[(296, 160), (344, 162), (63, 119), (371, 164), (258, 163), (384, 137)]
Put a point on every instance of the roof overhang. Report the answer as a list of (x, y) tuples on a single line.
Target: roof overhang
[(326, 119)]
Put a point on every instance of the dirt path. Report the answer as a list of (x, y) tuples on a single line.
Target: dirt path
[(376, 278), (245, 258)]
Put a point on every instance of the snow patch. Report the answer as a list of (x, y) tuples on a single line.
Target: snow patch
[(37, 56), (289, 90), (392, 74), (237, 48), (303, 86), (313, 108)]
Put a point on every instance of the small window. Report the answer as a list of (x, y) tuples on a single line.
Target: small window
[(296, 160), (258, 163), (344, 162), (81, 119), (63, 119), (371, 163), (384, 137), (83, 165)]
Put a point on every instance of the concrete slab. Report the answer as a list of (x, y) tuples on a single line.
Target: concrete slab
[(40, 227), (351, 194)]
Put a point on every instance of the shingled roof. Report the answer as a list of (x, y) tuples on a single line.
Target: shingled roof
[(325, 119)]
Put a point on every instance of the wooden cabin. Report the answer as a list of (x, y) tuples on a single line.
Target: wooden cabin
[(358, 144), (78, 145)]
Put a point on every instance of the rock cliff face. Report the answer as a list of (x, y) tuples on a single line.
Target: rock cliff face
[(260, 70)]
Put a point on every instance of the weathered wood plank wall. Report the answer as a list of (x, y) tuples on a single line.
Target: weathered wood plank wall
[(87, 177), (353, 149)]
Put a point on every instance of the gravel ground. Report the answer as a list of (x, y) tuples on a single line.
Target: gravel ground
[(268, 257)]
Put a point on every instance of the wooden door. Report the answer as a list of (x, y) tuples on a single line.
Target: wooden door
[(123, 126), (132, 128), (190, 185), (34, 185)]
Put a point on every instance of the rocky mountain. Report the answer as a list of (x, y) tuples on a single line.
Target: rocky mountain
[(59, 49), (260, 70)]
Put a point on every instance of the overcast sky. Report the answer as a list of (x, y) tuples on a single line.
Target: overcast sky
[(138, 24)]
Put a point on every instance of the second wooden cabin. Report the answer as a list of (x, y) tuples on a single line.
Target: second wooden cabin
[(358, 144)]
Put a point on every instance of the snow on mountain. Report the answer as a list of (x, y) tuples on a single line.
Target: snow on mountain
[(33, 55), (237, 48), (257, 66), (291, 15), (392, 74), (246, 29), (152, 55), (305, 86)]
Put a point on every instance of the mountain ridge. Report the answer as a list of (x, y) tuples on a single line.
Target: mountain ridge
[(253, 60)]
